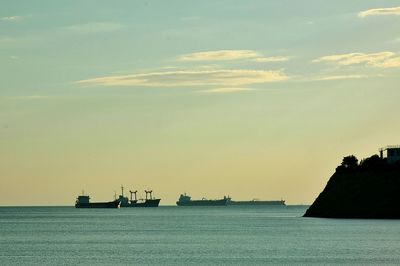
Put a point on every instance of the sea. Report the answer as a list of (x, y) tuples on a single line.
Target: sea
[(233, 235)]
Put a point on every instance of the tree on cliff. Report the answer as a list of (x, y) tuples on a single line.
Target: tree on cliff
[(373, 163), (348, 163)]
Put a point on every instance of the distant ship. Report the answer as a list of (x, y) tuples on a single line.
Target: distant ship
[(185, 200), (148, 202), (258, 203), (83, 201)]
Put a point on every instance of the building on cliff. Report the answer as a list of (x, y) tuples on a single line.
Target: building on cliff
[(391, 153)]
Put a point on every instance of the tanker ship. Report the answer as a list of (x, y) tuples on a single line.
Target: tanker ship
[(185, 200), (255, 202)]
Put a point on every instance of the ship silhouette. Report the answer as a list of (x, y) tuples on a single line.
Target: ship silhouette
[(149, 201), (186, 200), (83, 201)]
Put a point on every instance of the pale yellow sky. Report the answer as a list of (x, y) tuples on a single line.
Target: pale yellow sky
[(214, 98)]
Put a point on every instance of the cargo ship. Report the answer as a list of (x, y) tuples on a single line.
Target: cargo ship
[(185, 200), (83, 201), (258, 203), (149, 201)]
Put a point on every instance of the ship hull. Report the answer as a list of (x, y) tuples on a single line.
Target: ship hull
[(258, 203), (149, 203), (222, 202), (103, 205)]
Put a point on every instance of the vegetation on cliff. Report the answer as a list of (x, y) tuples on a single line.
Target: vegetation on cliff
[(369, 189)]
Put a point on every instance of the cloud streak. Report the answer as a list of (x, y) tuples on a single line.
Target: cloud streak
[(381, 59), (271, 59), (380, 12), (226, 90), (11, 18), (221, 55), (191, 78), (339, 77)]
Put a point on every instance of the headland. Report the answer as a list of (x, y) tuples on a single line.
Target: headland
[(369, 189)]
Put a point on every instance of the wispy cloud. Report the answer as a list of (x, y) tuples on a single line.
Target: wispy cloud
[(12, 18), (220, 55), (389, 63), (380, 12), (190, 78), (226, 90), (272, 59), (381, 59), (95, 27), (338, 77)]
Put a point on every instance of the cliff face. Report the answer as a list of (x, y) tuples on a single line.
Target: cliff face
[(370, 189)]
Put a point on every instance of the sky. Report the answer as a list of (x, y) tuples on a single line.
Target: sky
[(251, 99)]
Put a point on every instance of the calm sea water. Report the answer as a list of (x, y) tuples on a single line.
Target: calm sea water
[(191, 236)]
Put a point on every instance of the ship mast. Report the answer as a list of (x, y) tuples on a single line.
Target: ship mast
[(149, 192), (133, 192)]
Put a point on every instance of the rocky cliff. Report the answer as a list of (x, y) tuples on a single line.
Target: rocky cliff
[(369, 189)]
